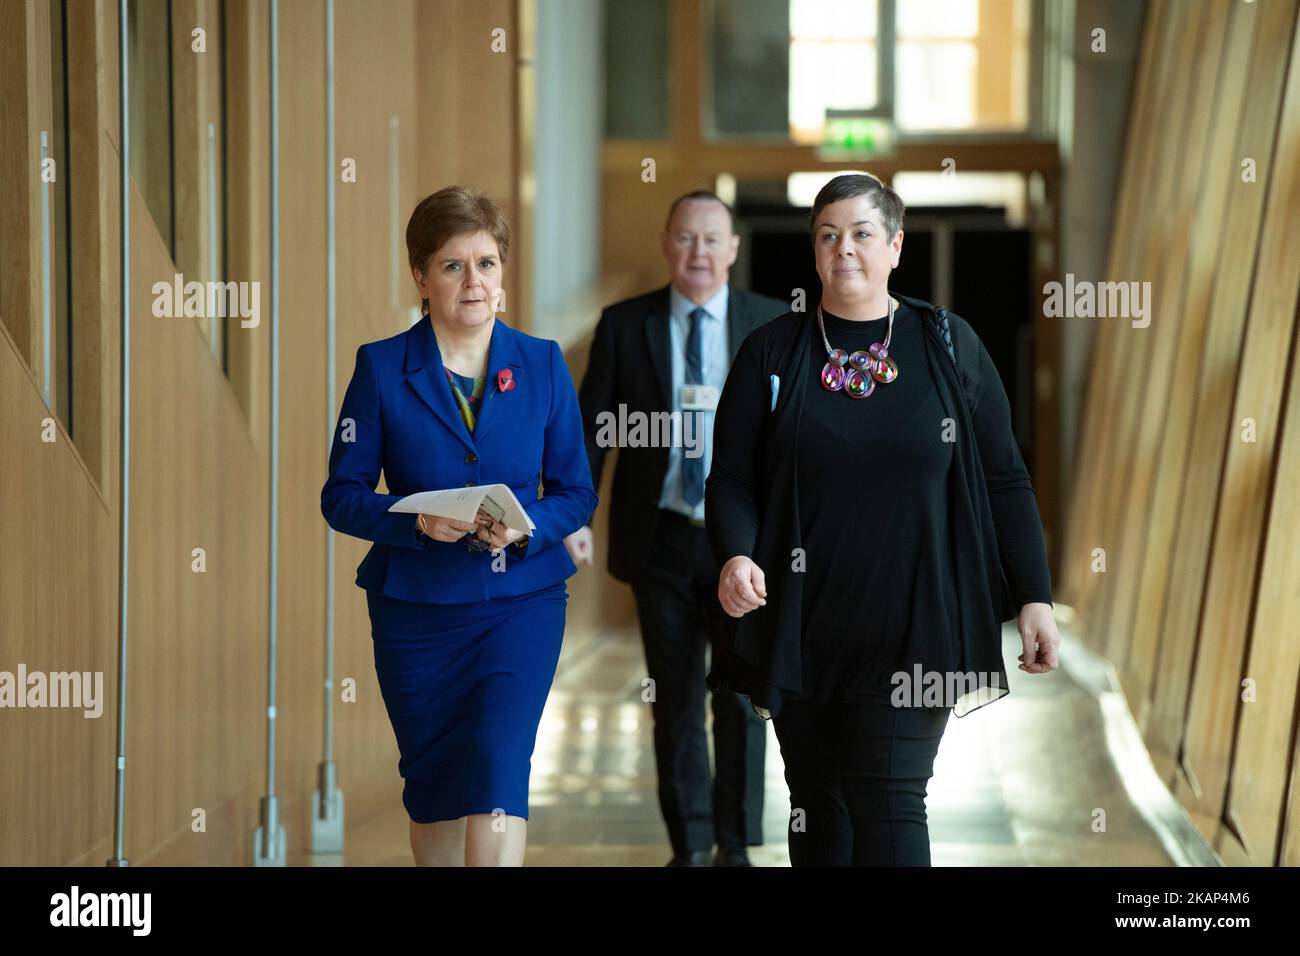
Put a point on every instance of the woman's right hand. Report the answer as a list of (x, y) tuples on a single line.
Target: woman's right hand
[(579, 545), (446, 529), (741, 586)]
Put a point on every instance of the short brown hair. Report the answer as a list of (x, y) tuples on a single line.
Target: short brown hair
[(849, 185), (700, 194), (450, 212)]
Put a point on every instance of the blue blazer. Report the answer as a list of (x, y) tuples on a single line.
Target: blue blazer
[(400, 416)]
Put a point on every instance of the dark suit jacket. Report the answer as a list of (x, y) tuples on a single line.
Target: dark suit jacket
[(631, 365)]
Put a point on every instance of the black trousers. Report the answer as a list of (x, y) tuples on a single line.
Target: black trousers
[(677, 604), (857, 774)]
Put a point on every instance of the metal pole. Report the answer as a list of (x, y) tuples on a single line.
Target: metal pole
[(46, 255), (124, 469), (394, 211), (327, 820), (212, 229), (269, 839)]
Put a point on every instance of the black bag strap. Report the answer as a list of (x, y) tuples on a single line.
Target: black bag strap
[(964, 353)]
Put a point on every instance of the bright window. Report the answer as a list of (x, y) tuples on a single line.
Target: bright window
[(958, 64), (833, 61)]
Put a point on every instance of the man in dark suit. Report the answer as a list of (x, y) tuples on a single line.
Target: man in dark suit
[(663, 357)]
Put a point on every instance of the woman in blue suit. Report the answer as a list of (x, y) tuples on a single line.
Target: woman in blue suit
[(466, 618)]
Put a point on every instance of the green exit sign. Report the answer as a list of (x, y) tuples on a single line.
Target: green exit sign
[(856, 136)]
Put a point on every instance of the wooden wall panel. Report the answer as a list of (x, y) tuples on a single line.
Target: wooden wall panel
[(1199, 531), (58, 599), (367, 92), (1215, 379), (198, 669), (1250, 599), (1077, 579), (1203, 43), (1264, 744), (196, 639), (1128, 348), (304, 435), (468, 115), (1239, 522)]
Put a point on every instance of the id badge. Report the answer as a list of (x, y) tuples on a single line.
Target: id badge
[(699, 398)]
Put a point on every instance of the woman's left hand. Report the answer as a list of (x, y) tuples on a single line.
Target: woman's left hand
[(495, 533), (1037, 625)]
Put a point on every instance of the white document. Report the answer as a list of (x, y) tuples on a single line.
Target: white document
[(462, 504)]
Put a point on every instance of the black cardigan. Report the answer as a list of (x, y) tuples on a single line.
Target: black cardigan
[(751, 507)]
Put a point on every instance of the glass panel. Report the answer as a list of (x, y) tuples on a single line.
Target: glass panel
[(213, 164), (60, 222), (962, 64), (750, 51), (149, 60), (833, 62), (801, 188), (828, 75), (926, 188), (833, 18), (224, 183), (936, 18), (958, 64), (936, 85), (636, 68)]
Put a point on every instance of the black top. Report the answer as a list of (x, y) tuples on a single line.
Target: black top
[(879, 596), (929, 558), (873, 509)]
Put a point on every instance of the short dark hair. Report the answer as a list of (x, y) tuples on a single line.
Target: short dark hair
[(453, 211), (849, 185), (700, 194)]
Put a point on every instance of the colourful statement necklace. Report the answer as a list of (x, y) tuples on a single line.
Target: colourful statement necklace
[(864, 369)]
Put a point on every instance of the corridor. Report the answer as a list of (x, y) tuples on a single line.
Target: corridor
[(1016, 783)]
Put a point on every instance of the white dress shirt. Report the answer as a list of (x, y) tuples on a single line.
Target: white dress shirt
[(713, 331)]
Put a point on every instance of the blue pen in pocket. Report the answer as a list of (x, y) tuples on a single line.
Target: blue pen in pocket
[(776, 388)]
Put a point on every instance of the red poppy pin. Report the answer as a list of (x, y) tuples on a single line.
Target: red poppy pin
[(505, 381)]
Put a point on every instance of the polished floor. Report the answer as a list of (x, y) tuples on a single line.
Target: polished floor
[(1022, 782)]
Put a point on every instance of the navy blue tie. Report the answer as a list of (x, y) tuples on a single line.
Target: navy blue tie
[(693, 468)]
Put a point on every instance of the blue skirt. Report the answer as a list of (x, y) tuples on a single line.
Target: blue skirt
[(464, 685)]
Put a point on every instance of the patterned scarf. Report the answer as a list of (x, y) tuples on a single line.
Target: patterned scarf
[(468, 404)]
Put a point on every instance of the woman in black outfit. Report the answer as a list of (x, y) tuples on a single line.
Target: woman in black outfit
[(875, 525)]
